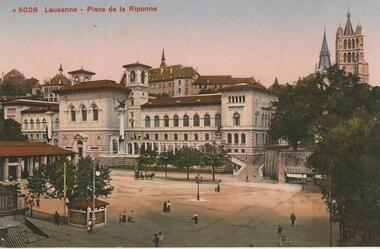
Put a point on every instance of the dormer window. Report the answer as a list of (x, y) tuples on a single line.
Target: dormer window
[(86, 79), (133, 76), (76, 79)]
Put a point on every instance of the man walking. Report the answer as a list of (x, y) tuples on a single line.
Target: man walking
[(156, 241), (161, 238), (56, 218), (292, 219)]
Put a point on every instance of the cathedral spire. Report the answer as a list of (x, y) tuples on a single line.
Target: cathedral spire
[(163, 63), (60, 70), (348, 30), (324, 55)]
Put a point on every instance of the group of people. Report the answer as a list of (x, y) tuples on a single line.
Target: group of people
[(281, 237), (166, 207), (158, 239), (124, 218)]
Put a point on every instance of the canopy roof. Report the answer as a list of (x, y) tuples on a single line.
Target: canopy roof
[(25, 149)]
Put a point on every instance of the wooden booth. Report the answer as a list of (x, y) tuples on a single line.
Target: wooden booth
[(80, 212)]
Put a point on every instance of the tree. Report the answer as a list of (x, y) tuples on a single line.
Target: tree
[(147, 157), (213, 155), (165, 158), (49, 180), (11, 130), (350, 155), (187, 157), (17, 86)]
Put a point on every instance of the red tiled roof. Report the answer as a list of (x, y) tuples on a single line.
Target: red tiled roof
[(42, 109), (247, 86), (104, 85), (137, 64), (221, 80), (23, 148), (27, 102), (170, 73), (206, 99), (81, 71)]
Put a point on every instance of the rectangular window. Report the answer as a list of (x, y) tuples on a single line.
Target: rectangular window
[(175, 136), (156, 136), (185, 137), (166, 136)]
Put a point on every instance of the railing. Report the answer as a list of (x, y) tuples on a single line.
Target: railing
[(45, 216)]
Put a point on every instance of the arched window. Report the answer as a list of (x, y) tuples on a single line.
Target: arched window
[(236, 118), (353, 43), (345, 44), (349, 43), (25, 124), (115, 146), (345, 58), (44, 123), (207, 120), (83, 111), (133, 76), (243, 138), (229, 138), (166, 121), (196, 137), (236, 138), (156, 121), (38, 124), (185, 120), (143, 77), (72, 113), (175, 121), (207, 137), (147, 121), (95, 113), (196, 120), (218, 120), (349, 57), (31, 124)]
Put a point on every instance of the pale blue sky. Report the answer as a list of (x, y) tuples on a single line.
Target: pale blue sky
[(252, 37)]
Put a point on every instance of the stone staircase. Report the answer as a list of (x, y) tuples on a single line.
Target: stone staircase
[(250, 165)]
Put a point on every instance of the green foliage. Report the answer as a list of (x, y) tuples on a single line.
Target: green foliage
[(10, 130), (49, 180), (147, 156), (187, 157), (350, 155), (166, 158), (213, 155), (17, 86)]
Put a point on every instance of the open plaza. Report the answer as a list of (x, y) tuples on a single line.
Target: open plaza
[(241, 214)]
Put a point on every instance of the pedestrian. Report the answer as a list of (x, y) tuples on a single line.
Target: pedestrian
[(161, 238), (246, 179), (292, 219), (56, 218), (120, 219), (218, 188), (156, 241), (168, 206), (279, 229), (89, 226), (124, 220), (131, 217), (195, 218), (165, 207)]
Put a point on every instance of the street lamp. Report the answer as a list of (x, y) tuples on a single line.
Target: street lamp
[(198, 180), (95, 173), (166, 157)]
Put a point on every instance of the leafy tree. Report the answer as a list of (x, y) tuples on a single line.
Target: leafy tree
[(350, 155), (10, 130), (147, 157), (49, 180), (17, 86), (166, 157), (187, 157), (213, 155)]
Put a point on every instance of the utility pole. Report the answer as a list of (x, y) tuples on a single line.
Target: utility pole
[(64, 189), (330, 212), (93, 198)]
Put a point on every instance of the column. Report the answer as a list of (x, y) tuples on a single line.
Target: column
[(159, 148), (121, 112), (19, 169), (133, 148), (30, 167), (6, 170)]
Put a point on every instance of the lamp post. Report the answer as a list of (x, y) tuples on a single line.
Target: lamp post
[(166, 157), (95, 173), (198, 180)]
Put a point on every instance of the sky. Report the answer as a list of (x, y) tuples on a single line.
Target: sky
[(243, 38)]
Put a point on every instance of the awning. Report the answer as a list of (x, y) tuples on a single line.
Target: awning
[(28, 149)]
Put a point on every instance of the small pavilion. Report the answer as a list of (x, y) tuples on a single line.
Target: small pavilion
[(18, 159)]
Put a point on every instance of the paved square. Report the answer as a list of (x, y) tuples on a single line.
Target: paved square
[(240, 215)]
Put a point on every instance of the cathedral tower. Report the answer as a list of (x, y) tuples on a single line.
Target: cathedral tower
[(324, 56), (350, 51)]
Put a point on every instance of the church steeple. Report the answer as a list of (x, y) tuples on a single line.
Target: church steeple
[(60, 70), (324, 55), (163, 63), (348, 30)]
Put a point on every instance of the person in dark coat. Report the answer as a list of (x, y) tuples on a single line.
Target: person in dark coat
[(292, 219), (195, 218), (124, 220), (165, 207), (56, 218), (279, 229), (156, 241)]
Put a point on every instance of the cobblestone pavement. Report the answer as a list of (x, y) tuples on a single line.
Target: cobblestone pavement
[(240, 215)]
